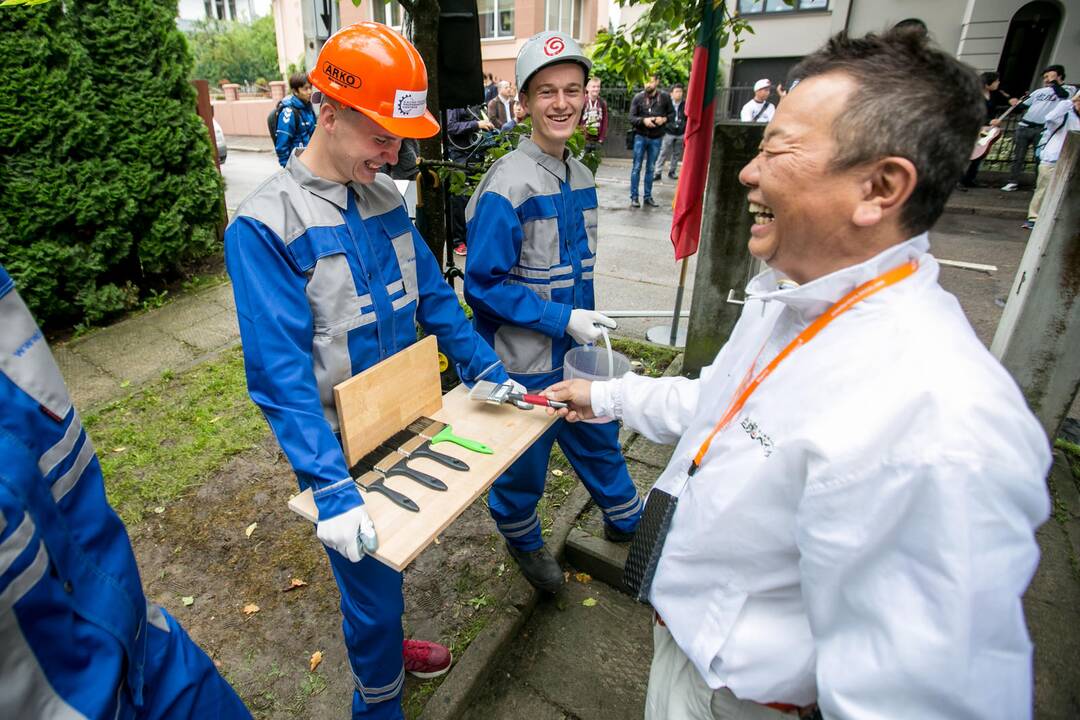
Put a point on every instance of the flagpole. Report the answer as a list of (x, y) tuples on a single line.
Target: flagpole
[(678, 304)]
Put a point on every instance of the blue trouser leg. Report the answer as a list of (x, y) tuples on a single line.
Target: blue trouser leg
[(635, 170), (652, 149), (371, 608), (593, 451), (516, 492), (180, 680)]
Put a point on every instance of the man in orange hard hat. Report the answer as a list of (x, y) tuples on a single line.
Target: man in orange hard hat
[(330, 278)]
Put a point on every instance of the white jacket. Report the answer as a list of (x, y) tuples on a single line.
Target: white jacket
[(862, 532), (1060, 121)]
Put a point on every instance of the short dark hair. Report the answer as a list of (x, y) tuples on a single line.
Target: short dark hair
[(913, 101), (1059, 69), (677, 86), (297, 80), (988, 78)]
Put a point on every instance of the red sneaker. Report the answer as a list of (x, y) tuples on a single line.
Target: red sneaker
[(460, 249), (426, 659)]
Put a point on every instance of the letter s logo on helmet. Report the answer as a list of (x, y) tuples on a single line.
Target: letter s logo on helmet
[(374, 70), (547, 48)]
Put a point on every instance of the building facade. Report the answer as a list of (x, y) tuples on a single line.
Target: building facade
[(1015, 38), (190, 12)]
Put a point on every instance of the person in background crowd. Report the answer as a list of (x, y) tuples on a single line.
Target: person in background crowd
[(463, 128), (490, 89), (759, 109), (296, 121), (649, 112), (1030, 128), (995, 98), (671, 150), (858, 479), (500, 109), (80, 638), (519, 116), (1062, 119), (594, 116)]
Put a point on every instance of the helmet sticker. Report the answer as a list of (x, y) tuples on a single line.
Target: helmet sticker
[(410, 103), (554, 46)]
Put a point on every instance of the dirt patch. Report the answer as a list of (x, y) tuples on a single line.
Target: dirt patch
[(197, 548)]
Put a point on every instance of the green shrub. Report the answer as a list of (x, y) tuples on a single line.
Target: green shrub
[(240, 52), (107, 183)]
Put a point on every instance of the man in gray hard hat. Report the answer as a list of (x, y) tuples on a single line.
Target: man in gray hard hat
[(529, 280)]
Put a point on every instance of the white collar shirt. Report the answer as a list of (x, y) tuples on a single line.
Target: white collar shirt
[(862, 532)]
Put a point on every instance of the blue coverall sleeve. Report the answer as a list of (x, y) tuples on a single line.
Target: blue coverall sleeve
[(440, 314), (276, 332), (494, 239), (288, 125)]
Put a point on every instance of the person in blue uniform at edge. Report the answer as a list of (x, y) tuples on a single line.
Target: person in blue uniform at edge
[(296, 121), (331, 277), (529, 280), (78, 638)]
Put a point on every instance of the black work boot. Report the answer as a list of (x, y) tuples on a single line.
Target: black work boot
[(615, 535), (539, 568)]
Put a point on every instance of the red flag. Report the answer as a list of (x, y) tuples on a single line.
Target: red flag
[(700, 106)]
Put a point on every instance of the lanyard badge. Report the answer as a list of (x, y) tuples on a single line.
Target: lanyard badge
[(656, 519)]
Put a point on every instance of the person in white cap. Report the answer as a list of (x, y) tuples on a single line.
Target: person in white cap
[(759, 109), (529, 281)]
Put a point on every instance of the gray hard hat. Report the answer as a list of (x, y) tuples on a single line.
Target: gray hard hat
[(547, 48)]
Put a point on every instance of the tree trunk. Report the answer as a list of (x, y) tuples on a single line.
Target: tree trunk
[(431, 218)]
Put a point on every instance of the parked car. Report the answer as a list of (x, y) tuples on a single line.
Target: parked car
[(222, 147)]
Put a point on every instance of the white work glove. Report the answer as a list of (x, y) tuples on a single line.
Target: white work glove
[(351, 533), (583, 325)]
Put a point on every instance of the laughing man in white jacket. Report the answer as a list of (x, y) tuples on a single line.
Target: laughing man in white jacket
[(859, 536)]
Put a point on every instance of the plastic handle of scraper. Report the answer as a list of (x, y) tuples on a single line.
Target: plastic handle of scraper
[(447, 435)]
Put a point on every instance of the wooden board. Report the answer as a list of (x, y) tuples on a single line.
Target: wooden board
[(386, 397), (403, 534)]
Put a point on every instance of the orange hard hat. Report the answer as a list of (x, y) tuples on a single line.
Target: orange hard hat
[(374, 70)]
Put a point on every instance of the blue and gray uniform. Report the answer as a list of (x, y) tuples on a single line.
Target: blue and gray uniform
[(532, 253), (295, 124), (78, 638), (330, 279)]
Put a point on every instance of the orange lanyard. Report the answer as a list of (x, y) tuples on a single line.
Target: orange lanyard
[(747, 386)]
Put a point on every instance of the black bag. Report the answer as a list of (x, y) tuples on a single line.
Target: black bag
[(630, 139), (648, 542), (271, 120)]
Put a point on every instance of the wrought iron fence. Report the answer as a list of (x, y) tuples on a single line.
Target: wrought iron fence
[(729, 102)]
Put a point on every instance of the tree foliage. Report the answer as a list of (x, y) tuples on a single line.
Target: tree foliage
[(667, 25), (235, 51), (107, 183), (670, 67)]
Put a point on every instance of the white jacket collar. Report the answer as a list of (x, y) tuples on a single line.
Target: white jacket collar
[(813, 298)]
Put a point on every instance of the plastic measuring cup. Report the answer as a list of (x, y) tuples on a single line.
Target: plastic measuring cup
[(590, 362)]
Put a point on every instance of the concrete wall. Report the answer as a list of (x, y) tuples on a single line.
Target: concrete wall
[(243, 117), (289, 28), (985, 24), (942, 18)]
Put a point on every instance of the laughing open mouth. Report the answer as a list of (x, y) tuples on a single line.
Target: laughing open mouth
[(762, 215)]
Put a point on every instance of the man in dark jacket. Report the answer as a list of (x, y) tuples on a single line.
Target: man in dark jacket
[(672, 146), (463, 128), (649, 111)]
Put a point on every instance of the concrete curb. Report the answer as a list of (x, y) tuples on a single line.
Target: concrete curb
[(474, 666), (995, 212), (1068, 496)]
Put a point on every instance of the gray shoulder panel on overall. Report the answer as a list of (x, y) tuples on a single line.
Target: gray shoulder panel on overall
[(287, 209), (517, 177), (377, 198), (581, 178)]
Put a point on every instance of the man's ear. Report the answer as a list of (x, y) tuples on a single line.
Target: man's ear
[(327, 115), (886, 187)]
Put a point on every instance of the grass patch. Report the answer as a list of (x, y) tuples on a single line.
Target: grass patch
[(169, 437), (1072, 453), (654, 359)]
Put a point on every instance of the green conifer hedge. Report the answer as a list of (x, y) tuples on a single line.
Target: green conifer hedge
[(107, 182)]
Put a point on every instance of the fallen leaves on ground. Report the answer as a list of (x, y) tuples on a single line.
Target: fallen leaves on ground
[(159, 509), (583, 577), (557, 473), (188, 600), (251, 609), (293, 584), (316, 658), (119, 449), (250, 529), (589, 602)]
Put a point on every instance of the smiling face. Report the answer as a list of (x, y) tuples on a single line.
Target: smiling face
[(1050, 77), (809, 219), (357, 145), (554, 99)]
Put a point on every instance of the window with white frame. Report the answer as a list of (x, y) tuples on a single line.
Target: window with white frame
[(496, 18), (388, 12), (564, 16), (757, 7)]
